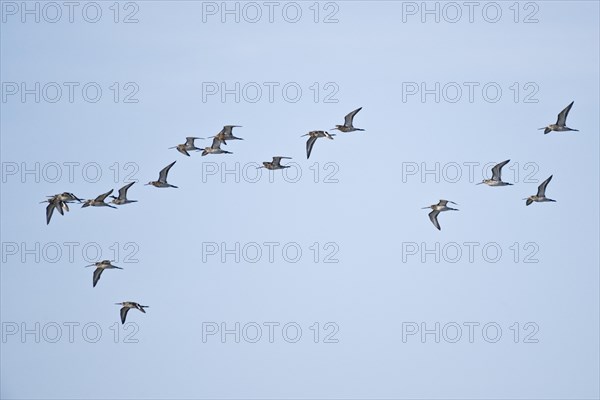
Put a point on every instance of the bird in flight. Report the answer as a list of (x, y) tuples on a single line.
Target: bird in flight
[(561, 122), (348, 120), (227, 134), (162, 178), (437, 209), (100, 267), (122, 199), (313, 136), (276, 163), (187, 146), (99, 201), (59, 202), (215, 148), (127, 305), (541, 193), (496, 179)]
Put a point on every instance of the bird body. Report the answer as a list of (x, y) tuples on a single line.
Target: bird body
[(442, 205), (215, 148), (348, 122), (227, 134), (275, 164), (540, 197), (188, 146), (98, 201), (496, 179), (128, 305), (162, 178), (122, 199), (100, 267), (313, 136), (561, 122), (58, 202)]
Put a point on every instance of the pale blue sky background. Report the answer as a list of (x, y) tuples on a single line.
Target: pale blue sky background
[(369, 213)]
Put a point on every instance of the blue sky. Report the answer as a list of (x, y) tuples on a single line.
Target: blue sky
[(362, 210)]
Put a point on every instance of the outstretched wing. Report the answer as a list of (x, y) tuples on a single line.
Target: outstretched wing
[(542, 188), (562, 117), (104, 196), (348, 119), (216, 144), (497, 170), (162, 176), (49, 211), (228, 130), (433, 217), (97, 273), (123, 191), (309, 145), (189, 141), (124, 311)]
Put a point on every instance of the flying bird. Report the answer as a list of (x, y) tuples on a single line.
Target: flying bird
[(122, 199), (348, 119), (100, 267), (561, 122), (54, 203), (496, 179), (227, 134), (313, 136), (98, 201), (162, 178), (127, 305), (215, 148), (59, 202), (541, 193), (187, 146), (276, 163), (437, 209)]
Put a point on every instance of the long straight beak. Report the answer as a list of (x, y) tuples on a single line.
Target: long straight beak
[(479, 183), (539, 129), (424, 208)]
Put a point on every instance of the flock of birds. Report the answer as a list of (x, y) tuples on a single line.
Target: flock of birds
[(496, 179), (60, 201)]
